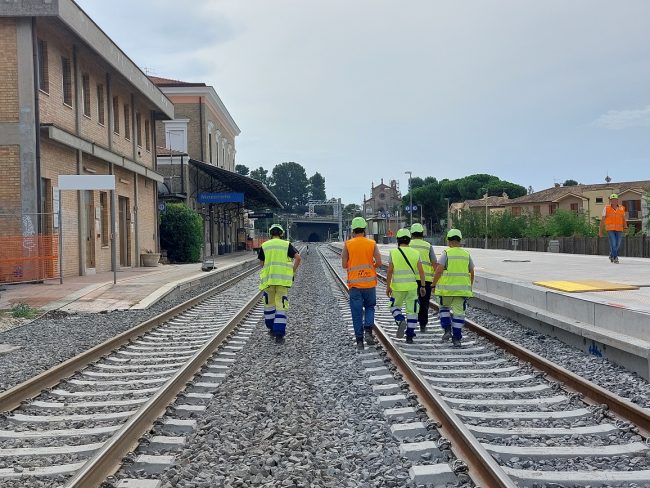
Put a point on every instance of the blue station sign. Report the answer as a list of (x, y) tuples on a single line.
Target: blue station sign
[(226, 197)]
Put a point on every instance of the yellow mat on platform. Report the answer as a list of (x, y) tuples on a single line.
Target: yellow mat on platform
[(585, 285)]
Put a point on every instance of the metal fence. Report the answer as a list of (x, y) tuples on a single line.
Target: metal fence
[(26, 255), (637, 247)]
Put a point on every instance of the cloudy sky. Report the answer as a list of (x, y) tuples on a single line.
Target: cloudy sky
[(531, 91)]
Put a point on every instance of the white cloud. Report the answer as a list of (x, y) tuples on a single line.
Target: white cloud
[(624, 119)]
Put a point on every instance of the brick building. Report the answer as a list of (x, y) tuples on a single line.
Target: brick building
[(197, 158), (383, 209), (73, 103)]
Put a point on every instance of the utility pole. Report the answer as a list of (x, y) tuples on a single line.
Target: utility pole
[(486, 218), (410, 173), (448, 223)]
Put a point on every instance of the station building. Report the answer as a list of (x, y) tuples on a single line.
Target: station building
[(197, 159), (72, 103), (383, 209)]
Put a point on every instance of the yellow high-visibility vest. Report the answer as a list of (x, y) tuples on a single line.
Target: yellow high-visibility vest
[(455, 280), (424, 248), (278, 268), (404, 279)]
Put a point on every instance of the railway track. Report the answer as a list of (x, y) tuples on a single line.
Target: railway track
[(513, 417), (74, 423)]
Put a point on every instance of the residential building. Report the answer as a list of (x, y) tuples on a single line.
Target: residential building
[(198, 163), (73, 103), (493, 204), (588, 199)]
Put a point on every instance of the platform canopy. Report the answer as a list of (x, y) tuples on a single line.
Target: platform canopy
[(222, 180)]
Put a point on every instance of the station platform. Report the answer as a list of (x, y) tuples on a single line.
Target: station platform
[(136, 288), (612, 324)]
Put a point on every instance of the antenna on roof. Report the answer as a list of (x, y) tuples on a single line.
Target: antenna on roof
[(608, 178)]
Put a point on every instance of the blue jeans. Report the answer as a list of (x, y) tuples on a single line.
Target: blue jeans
[(362, 300), (615, 238)]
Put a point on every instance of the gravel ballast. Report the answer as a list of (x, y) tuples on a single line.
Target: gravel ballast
[(46, 342), (297, 414)]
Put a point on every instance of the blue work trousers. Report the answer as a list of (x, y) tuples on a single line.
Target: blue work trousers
[(615, 238), (362, 307)]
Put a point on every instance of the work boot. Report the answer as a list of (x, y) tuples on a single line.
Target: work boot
[(401, 328), (409, 339), (447, 335), (270, 331), (616, 260), (611, 259), (279, 339), (423, 328), (370, 339), (456, 342), (360, 343)]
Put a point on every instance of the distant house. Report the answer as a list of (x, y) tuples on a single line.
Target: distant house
[(493, 204), (588, 199)]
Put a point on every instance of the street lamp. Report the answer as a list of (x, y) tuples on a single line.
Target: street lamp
[(410, 173), (486, 216)]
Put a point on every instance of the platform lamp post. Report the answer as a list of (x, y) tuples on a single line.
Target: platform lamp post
[(410, 173), (486, 217), (448, 223)]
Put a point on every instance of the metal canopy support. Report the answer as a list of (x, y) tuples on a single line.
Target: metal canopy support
[(338, 209)]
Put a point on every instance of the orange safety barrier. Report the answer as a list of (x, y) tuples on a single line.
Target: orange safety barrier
[(29, 258)]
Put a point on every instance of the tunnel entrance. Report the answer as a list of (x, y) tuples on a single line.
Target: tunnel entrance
[(314, 237)]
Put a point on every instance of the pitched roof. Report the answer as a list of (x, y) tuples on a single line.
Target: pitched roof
[(156, 80), (491, 202), (558, 192)]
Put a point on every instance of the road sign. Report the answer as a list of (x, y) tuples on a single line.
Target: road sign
[(225, 197), (260, 215), (162, 206)]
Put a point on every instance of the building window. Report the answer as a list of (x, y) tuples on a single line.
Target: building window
[(551, 208), (43, 71), (66, 69), (210, 148), (147, 135), (85, 94), (127, 121), (537, 210), (103, 203), (599, 199), (138, 129), (100, 104), (632, 208), (516, 211), (574, 207), (116, 115)]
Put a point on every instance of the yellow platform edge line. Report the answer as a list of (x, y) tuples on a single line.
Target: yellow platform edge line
[(584, 286)]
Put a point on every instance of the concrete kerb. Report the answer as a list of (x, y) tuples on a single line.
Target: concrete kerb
[(201, 278)]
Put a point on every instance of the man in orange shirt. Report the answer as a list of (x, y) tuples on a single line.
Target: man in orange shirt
[(613, 221), (360, 257)]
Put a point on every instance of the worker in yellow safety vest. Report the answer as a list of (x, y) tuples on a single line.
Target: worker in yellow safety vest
[(280, 261), (360, 257), (613, 221), (404, 283), (452, 283), (429, 261)]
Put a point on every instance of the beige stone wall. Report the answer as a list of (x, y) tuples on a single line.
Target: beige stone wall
[(9, 71), (147, 214)]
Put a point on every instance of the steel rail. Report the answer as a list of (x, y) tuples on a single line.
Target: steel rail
[(12, 398), (482, 467), (108, 458), (592, 392)]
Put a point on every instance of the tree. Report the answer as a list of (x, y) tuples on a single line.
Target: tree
[(570, 183), (181, 233), (241, 169), (290, 185), (351, 211), (260, 174), (317, 187)]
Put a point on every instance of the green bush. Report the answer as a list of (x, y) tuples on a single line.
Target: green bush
[(24, 311), (181, 233)]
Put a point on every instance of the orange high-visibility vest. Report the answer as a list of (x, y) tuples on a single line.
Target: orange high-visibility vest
[(614, 219), (361, 263)]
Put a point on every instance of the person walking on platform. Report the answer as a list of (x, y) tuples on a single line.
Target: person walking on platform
[(403, 284), (613, 221), (360, 257), (276, 278), (452, 283), (428, 257)]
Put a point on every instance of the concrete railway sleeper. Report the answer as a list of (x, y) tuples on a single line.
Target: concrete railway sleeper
[(73, 424), (535, 431)]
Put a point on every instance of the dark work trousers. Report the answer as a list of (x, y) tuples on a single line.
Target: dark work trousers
[(423, 314)]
